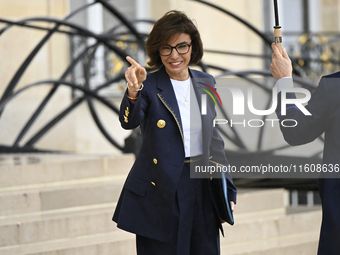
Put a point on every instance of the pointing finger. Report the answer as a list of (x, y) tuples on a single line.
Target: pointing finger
[(132, 62)]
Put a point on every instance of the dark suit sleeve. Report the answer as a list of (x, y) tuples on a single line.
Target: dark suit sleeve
[(308, 127), (131, 115)]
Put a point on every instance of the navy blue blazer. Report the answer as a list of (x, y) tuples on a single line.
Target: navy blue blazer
[(146, 202), (324, 106)]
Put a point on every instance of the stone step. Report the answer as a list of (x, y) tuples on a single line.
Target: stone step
[(32, 169), (123, 243), (86, 191), (253, 200), (297, 244), (57, 224), (117, 243), (52, 196), (272, 227), (306, 248), (94, 219), (252, 205)]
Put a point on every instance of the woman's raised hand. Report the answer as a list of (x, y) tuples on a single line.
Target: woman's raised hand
[(134, 75)]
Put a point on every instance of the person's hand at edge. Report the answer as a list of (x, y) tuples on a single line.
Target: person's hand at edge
[(281, 65)]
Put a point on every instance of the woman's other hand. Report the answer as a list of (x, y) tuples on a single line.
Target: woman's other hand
[(232, 206)]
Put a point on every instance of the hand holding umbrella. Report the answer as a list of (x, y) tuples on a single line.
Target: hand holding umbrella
[(277, 28)]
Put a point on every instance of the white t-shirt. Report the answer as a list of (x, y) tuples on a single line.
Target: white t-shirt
[(190, 116)]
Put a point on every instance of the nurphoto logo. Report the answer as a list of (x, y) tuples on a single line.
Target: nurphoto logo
[(238, 105)]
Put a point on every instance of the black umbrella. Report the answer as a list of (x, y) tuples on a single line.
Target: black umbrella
[(277, 28)]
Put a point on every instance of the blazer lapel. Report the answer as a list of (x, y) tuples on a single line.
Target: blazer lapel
[(168, 97), (206, 122), (195, 82)]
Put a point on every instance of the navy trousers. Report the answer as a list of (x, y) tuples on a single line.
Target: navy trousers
[(195, 222)]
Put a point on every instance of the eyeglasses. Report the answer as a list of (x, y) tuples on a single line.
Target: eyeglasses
[(181, 48)]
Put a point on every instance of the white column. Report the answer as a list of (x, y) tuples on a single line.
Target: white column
[(295, 198), (95, 25), (310, 198), (143, 12), (314, 16)]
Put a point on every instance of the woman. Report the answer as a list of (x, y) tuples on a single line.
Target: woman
[(169, 212)]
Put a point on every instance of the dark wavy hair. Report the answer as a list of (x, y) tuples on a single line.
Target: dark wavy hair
[(172, 23)]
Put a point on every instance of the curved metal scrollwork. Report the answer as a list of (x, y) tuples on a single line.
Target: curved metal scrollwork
[(108, 39)]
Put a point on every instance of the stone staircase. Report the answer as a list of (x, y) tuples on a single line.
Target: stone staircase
[(263, 226), (63, 205)]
